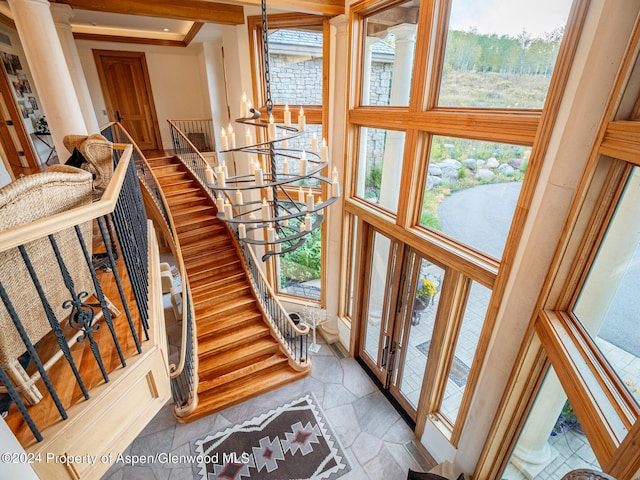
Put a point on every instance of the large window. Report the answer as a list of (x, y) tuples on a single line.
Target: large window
[(297, 62), (447, 98), (501, 54)]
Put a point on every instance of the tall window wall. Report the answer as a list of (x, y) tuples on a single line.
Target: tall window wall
[(298, 61), (443, 115), (585, 343)]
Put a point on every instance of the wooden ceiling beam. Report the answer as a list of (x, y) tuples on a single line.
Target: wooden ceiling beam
[(329, 8), (193, 10)]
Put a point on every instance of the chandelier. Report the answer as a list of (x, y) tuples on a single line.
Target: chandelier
[(275, 204)]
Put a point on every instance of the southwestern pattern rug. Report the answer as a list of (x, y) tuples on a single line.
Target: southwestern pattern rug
[(290, 442)]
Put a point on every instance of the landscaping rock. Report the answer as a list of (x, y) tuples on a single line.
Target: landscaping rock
[(433, 181), (471, 164), (451, 163), (493, 162), (515, 163), (506, 170), (480, 163), (434, 169), (485, 174)]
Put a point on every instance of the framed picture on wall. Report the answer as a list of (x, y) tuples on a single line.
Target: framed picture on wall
[(19, 88), (34, 103)]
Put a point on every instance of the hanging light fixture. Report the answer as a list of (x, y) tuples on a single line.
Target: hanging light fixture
[(273, 205)]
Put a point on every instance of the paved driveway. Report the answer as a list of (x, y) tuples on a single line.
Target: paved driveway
[(481, 216)]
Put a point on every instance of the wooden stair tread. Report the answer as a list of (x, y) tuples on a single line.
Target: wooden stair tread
[(208, 326), (226, 307), (222, 288), (242, 374), (210, 345), (237, 358), (207, 286), (211, 401)]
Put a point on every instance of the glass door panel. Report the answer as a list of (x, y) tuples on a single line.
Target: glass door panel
[(376, 328), (421, 296)]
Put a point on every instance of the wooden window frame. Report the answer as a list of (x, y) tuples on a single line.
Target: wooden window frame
[(315, 114), (422, 119), (610, 417)]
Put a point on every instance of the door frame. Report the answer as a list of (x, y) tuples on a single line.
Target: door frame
[(98, 55), (20, 141)]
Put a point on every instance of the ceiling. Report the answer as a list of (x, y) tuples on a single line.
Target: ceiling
[(167, 22)]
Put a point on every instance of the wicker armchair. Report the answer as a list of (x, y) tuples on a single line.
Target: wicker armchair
[(586, 474), (27, 200), (98, 151)]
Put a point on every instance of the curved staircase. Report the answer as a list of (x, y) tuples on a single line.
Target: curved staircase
[(238, 357)]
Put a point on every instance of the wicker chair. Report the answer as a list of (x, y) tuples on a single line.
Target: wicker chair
[(586, 474), (98, 151), (27, 200)]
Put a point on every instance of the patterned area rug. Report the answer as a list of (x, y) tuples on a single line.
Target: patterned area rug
[(290, 442)]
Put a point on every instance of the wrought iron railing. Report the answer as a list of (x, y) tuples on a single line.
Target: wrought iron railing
[(50, 284), (199, 132), (293, 338), (184, 375)]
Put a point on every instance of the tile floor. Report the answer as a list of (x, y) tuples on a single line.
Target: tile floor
[(377, 441)]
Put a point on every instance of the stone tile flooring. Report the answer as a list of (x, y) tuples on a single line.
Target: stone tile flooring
[(378, 442)]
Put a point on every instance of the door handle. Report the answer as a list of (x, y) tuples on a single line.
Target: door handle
[(118, 118)]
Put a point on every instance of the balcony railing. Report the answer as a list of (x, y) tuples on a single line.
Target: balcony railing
[(70, 275), (293, 338)]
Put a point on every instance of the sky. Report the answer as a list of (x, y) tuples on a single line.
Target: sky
[(509, 17)]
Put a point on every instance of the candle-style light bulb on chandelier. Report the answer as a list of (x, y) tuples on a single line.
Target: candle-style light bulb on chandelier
[(275, 204)]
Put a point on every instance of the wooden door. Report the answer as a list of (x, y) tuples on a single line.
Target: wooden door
[(127, 94), (17, 150)]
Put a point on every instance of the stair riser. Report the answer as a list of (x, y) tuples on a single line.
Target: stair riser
[(176, 186), (217, 298), (205, 385), (200, 223), (238, 363), (219, 347)]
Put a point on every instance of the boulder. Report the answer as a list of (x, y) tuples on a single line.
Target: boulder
[(506, 170), (434, 169), (485, 174), (471, 164), (493, 162)]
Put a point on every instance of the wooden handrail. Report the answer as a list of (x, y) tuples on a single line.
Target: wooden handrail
[(16, 236), (263, 278), (175, 370)]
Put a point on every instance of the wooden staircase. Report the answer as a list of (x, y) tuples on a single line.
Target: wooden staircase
[(238, 357)]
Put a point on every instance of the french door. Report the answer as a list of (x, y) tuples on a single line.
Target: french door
[(396, 328)]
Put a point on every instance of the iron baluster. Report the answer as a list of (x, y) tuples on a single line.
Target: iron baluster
[(13, 394), (32, 351), (100, 294), (82, 314), (53, 321), (116, 276)]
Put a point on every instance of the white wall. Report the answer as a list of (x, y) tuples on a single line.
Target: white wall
[(178, 82)]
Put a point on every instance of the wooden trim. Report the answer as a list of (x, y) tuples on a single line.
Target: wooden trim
[(23, 142), (13, 237), (317, 7), (194, 10), (571, 352), (7, 21), (193, 31), (188, 37), (517, 127), (606, 185), (527, 376), (622, 140), (125, 39), (473, 264)]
